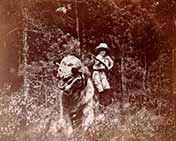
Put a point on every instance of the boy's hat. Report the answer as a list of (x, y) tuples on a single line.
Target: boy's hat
[(102, 46)]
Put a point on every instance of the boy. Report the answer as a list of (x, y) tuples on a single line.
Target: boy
[(103, 63)]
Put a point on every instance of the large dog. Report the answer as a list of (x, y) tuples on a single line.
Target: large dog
[(78, 91)]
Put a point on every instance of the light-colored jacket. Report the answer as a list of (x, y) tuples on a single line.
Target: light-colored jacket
[(103, 63)]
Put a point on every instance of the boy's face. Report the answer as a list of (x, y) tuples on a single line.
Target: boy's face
[(102, 53)]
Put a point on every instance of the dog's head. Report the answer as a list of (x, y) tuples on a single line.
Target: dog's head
[(72, 73)]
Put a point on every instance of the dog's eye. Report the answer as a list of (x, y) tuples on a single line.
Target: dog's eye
[(64, 63), (70, 64)]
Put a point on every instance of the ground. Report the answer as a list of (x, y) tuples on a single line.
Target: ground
[(23, 119)]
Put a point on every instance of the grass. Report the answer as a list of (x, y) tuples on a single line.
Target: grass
[(24, 118)]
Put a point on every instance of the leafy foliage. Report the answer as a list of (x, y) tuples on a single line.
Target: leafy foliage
[(138, 35)]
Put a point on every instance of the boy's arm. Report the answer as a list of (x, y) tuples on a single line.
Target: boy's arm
[(98, 63), (111, 63)]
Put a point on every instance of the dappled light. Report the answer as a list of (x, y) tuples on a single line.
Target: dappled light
[(49, 56)]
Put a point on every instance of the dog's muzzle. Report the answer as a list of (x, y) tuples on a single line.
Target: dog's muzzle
[(71, 82)]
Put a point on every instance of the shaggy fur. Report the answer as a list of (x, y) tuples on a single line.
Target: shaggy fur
[(78, 91)]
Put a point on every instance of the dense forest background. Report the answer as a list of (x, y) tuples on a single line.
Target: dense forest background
[(35, 34)]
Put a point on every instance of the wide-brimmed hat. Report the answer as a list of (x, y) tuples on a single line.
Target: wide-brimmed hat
[(102, 46)]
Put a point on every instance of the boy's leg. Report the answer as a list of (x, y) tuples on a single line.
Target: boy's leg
[(97, 81), (105, 82), (107, 95), (99, 87)]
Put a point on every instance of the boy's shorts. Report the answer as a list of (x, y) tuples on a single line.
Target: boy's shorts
[(100, 81)]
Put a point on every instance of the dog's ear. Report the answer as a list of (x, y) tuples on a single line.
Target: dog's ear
[(84, 70)]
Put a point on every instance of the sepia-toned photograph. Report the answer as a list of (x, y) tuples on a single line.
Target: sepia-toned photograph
[(87, 70)]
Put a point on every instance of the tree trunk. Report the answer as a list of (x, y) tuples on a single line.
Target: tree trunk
[(145, 72), (123, 82), (173, 77), (123, 85), (174, 71), (25, 49), (78, 27)]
